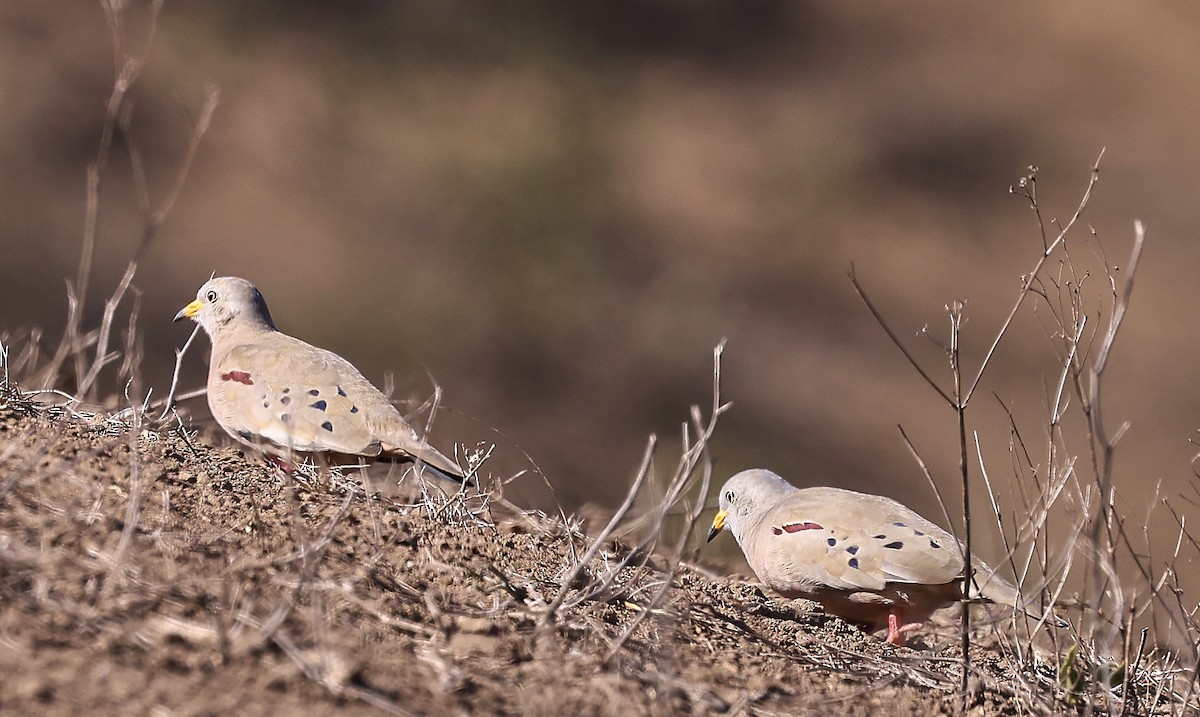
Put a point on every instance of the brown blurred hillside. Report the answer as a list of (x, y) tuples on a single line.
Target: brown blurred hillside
[(556, 210)]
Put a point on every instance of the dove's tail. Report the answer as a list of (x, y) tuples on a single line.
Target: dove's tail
[(991, 587), (426, 469), (427, 460)]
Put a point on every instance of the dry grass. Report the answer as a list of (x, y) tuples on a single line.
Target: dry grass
[(1106, 661)]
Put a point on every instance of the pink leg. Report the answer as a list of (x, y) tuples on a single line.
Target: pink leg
[(897, 632), (280, 463)]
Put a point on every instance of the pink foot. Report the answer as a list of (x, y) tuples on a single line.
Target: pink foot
[(280, 463), (897, 632)]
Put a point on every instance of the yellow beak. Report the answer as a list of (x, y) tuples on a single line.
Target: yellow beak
[(718, 524), (189, 311)]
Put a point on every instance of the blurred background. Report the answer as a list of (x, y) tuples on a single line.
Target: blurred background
[(555, 211)]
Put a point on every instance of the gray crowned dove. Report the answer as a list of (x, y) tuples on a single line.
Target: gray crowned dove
[(865, 558), (281, 395)]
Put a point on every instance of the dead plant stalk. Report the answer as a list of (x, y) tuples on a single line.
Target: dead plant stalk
[(959, 397)]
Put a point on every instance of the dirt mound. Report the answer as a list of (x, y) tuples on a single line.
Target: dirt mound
[(146, 573)]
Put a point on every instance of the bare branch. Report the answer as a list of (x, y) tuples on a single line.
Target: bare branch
[(1032, 275), (895, 339)]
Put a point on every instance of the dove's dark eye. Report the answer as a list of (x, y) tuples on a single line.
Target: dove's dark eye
[(211, 296), (729, 496)]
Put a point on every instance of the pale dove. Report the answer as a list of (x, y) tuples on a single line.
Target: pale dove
[(281, 395), (865, 558)]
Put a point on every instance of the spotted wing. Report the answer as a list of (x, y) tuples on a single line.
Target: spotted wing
[(296, 397), (853, 541)]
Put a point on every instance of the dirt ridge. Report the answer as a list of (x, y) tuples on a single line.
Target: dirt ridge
[(225, 588)]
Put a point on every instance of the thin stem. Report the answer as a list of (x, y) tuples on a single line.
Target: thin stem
[(862, 293), (1032, 275)]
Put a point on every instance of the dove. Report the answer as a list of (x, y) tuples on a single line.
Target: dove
[(280, 395), (865, 558)]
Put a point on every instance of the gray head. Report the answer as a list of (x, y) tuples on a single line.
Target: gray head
[(743, 495), (228, 304)]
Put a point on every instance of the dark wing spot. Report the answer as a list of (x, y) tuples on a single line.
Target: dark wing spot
[(341, 392), (286, 399), (831, 541), (319, 405), (853, 550), (894, 545), (933, 544), (776, 530), (239, 376), (854, 563), (881, 536), (327, 426), (354, 409), (314, 392), (917, 532), (266, 404), (899, 525), (285, 417), (288, 389)]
